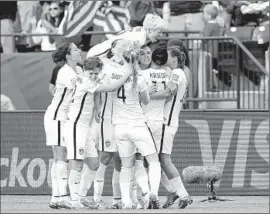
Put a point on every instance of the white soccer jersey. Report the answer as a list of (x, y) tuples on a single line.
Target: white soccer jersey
[(82, 105), (174, 106), (109, 69), (126, 104), (136, 35), (64, 89), (155, 108)]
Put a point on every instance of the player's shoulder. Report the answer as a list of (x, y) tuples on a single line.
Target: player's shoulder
[(178, 75), (66, 70)]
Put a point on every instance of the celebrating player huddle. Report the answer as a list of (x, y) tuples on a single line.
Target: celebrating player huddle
[(125, 107)]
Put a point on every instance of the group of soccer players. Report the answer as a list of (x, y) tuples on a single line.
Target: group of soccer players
[(123, 106)]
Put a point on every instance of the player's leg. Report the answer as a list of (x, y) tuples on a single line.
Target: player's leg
[(116, 204), (141, 177), (74, 182), (54, 137), (91, 164), (51, 131), (106, 147), (75, 138), (171, 171), (155, 128), (104, 160), (55, 190), (126, 151), (147, 147), (172, 197)]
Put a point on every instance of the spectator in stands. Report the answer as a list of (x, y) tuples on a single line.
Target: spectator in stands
[(8, 11), (212, 28), (26, 9), (138, 10), (6, 103), (48, 23), (247, 12)]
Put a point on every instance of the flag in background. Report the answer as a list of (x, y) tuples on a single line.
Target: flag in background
[(111, 18), (78, 18)]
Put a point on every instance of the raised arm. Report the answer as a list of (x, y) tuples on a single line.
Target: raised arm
[(115, 85)]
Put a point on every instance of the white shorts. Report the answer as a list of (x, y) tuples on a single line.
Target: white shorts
[(54, 130), (128, 137), (167, 137), (156, 130), (76, 138), (106, 142)]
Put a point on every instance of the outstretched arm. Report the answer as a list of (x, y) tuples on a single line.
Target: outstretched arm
[(168, 92)]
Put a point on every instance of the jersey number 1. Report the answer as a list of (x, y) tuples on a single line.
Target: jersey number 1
[(122, 90)]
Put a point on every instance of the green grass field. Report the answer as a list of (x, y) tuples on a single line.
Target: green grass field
[(239, 204)]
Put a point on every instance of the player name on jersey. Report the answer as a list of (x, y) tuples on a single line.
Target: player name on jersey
[(158, 75), (118, 76)]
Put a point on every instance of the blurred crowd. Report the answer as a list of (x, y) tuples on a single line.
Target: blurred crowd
[(42, 17)]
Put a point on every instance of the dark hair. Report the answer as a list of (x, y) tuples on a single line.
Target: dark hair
[(179, 44), (51, 19), (91, 63), (160, 56), (175, 52), (59, 55)]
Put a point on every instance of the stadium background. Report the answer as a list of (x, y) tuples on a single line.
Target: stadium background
[(237, 141)]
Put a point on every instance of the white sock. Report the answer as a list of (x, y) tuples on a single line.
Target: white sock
[(74, 184), (62, 176), (139, 192), (166, 182), (99, 182), (154, 177), (55, 190), (125, 179), (179, 187), (116, 186), (133, 187), (87, 179), (141, 176)]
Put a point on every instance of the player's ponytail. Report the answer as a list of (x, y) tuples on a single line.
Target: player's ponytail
[(59, 55), (132, 56), (179, 44), (110, 54), (175, 52)]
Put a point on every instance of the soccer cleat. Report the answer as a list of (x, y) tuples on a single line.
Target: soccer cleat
[(129, 206), (77, 205), (99, 204), (117, 205), (154, 202), (138, 205), (64, 203), (54, 202), (171, 198), (89, 204), (145, 201), (184, 202), (54, 205)]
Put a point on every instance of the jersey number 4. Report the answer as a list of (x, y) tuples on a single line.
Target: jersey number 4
[(122, 92)]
